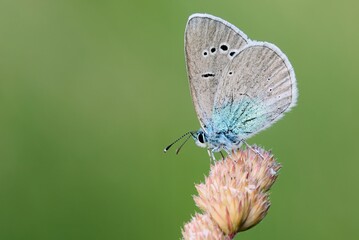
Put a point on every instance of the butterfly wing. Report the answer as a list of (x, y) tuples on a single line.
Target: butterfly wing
[(210, 44), (256, 88)]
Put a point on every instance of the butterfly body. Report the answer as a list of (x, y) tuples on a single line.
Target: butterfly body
[(219, 140)]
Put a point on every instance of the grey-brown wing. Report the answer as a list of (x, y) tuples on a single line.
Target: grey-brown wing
[(257, 87), (210, 44)]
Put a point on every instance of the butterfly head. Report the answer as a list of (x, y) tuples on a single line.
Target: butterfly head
[(200, 138)]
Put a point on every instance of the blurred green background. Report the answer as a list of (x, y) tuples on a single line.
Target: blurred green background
[(92, 91)]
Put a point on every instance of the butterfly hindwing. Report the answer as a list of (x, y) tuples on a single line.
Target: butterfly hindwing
[(210, 44), (254, 90)]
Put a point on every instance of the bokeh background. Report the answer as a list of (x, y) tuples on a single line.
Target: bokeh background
[(92, 91)]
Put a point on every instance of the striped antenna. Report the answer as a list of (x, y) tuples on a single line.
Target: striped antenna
[(169, 146)]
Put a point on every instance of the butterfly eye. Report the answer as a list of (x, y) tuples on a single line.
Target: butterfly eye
[(201, 138), (230, 73), (205, 53)]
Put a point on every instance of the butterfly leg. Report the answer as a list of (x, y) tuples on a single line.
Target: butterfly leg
[(222, 155), (211, 155), (254, 150)]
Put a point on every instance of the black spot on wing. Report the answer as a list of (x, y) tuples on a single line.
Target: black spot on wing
[(224, 47), (207, 75)]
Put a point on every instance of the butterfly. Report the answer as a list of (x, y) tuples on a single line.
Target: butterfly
[(239, 87)]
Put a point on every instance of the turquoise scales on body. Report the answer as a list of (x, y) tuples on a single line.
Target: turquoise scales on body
[(231, 124)]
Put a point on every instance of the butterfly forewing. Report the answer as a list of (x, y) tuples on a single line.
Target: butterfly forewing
[(210, 44), (254, 90)]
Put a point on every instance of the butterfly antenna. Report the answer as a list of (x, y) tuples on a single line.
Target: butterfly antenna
[(178, 149), (169, 146)]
